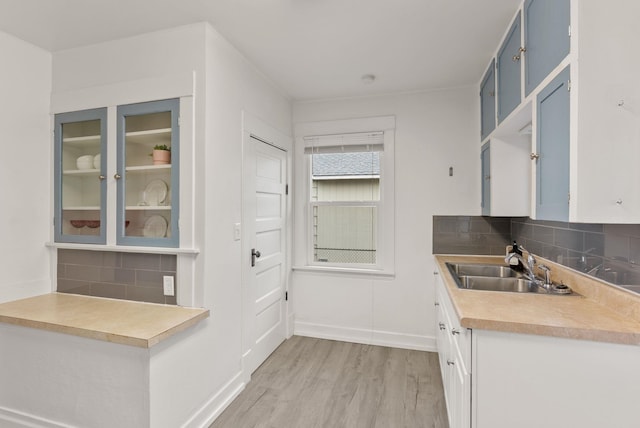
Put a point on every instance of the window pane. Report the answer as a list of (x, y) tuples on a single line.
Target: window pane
[(344, 234), (345, 177)]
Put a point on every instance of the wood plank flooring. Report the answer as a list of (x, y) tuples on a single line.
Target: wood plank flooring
[(319, 383)]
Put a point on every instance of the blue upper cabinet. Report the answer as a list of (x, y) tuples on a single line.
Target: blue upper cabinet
[(552, 143), (80, 153), (546, 33), (147, 177), (485, 162), (509, 71), (488, 102)]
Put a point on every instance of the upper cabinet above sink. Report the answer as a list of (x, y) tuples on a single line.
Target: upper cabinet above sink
[(546, 39), (509, 70), (575, 53)]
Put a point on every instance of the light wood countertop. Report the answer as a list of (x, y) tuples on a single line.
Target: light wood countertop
[(118, 321), (602, 313)]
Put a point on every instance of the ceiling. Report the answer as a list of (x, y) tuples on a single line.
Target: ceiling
[(311, 49)]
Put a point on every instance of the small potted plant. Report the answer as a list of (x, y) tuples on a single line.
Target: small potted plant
[(161, 154)]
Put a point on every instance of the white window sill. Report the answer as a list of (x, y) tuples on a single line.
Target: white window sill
[(383, 274)]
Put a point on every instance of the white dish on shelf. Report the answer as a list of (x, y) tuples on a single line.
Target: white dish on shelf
[(155, 227), (96, 161), (85, 162), (155, 193)]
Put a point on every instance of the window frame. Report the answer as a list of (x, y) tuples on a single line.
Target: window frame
[(385, 227)]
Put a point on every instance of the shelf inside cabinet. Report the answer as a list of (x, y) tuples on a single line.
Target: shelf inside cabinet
[(147, 168), (80, 208), (150, 136), (148, 208), (79, 141), (81, 172)]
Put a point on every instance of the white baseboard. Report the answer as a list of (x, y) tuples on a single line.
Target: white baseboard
[(216, 404), (202, 418), (367, 337), (14, 419), (290, 324)]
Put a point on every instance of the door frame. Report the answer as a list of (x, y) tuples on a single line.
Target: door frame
[(258, 129)]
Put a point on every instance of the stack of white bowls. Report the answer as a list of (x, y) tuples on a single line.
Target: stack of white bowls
[(85, 162)]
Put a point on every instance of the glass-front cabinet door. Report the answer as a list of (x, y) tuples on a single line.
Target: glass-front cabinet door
[(80, 183), (147, 174)]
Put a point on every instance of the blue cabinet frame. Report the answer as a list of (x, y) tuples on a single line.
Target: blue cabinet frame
[(509, 71), (552, 142), (547, 40), (485, 169), (488, 102), (60, 121), (124, 113)]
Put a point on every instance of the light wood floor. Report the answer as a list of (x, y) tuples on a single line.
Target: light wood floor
[(310, 382)]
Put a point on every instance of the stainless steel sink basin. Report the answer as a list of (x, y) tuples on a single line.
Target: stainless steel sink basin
[(487, 283), (463, 269), (473, 276)]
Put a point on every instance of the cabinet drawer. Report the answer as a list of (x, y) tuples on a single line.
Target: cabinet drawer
[(458, 338)]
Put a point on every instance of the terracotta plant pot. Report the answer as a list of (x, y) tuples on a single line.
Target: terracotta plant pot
[(161, 157)]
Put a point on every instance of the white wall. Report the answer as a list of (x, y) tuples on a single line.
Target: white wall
[(25, 85), (48, 378), (434, 130)]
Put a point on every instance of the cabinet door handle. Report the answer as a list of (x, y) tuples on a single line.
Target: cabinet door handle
[(436, 304), (534, 156), (442, 326), (454, 331), (451, 363), (117, 176), (517, 57), (102, 177)]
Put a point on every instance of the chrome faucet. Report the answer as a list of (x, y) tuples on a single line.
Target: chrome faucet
[(546, 284), (528, 264)]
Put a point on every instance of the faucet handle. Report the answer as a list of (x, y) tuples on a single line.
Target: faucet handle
[(547, 273)]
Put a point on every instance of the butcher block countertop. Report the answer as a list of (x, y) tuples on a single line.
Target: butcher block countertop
[(118, 321), (601, 313)]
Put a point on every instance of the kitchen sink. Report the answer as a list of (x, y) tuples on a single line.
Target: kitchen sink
[(460, 269), (471, 276), (487, 283)]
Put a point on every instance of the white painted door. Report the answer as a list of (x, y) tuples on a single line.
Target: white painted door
[(265, 217)]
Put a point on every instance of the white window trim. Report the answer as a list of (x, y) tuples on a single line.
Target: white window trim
[(385, 256)]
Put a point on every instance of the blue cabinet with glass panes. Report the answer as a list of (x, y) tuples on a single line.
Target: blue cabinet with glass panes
[(508, 69), (546, 37), (148, 196), (488, 102), (80, 183), (145, 184), (552, 143)]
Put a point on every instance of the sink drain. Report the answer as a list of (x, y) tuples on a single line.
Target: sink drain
[(561, 289)]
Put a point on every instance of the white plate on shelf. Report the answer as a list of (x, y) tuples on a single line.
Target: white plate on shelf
[(155, 193), (155, 227)]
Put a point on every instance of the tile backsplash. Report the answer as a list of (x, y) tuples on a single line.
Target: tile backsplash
[(470, 234), (607, 251), (128, 276)]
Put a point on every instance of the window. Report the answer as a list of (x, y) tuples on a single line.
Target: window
[(349, 200)]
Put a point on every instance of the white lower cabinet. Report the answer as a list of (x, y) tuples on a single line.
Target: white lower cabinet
[(504, 380), (454, 351)]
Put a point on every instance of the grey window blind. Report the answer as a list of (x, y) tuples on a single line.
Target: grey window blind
[(345, 143)]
